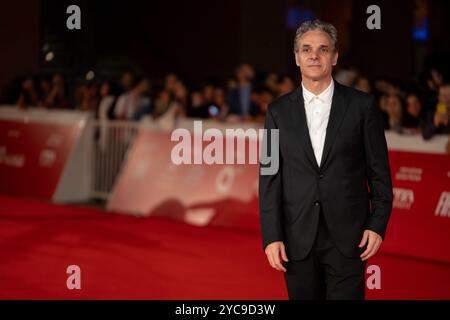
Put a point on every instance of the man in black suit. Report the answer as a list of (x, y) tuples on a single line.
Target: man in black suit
[(326, 209)]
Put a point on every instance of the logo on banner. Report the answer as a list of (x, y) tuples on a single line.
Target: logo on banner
[(403, 198), (47, 158), (409, 174), (11, 160), (55, 140), (443, 206)]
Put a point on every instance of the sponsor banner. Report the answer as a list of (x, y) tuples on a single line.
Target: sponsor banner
[(33, 156), (420, 221), (152, 185), (217, 194)]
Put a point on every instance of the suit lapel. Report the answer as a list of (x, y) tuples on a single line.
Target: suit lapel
[(301, 126), (337, 113)]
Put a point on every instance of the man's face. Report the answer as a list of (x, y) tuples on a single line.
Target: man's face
[(316, 55)]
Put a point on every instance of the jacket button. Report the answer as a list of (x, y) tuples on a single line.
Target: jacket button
[(321, 176), (316, 203)]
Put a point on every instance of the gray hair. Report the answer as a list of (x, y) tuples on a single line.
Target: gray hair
[(315, 25)]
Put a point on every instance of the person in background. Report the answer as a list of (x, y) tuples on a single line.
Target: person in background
[(44, 89), (105, 112), (162, 102), (89, 97), (180, 97), (438, 120), (412, 115), (134, 104), (174, 104), (170, 82), (271, 81), (208, 93), (239, 97), (196, 105), (430, 81), (262, 98), (285, 85), (126, 81), (391, 108), (28, 95), (108, 97), (346, 75), (203, 105), (362, 84), (220, 108), (57, 98)]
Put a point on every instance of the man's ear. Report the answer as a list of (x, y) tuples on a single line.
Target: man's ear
[(296, 57), (336, 56)]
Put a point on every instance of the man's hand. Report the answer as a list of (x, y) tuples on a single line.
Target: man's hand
[(373, 240), (275, 252)]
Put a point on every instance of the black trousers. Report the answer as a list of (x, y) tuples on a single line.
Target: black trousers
[(325, 273)]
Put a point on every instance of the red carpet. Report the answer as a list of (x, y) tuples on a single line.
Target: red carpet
[(123, 257)]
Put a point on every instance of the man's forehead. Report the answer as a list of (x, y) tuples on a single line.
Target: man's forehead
[(315, 37)]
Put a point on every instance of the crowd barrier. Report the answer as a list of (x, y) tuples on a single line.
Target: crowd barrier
[(67, 156), (150, 184), (43, 153)]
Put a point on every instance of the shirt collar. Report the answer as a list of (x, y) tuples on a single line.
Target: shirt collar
[(325, 96)]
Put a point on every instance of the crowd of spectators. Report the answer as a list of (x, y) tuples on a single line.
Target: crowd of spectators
[(420, 107)]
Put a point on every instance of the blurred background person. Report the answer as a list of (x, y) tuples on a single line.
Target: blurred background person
[(285, 85), (437, 121), (135, 103), (239, 96), (362, 84), (126, 81), (89, 97), (412, 115), (271, 81), (220, 108), (391, 107), (44, 89), (170, 82), (161, 103), (263, 97), (57, 97), (28, 95), (196, 105), (108, 98)]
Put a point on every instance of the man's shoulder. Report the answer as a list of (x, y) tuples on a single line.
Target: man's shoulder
[(281, 103)]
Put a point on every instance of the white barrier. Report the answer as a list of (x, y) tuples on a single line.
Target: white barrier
[(112, 140)]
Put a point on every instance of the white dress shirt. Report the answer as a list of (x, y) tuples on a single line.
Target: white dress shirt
[(317, 109)]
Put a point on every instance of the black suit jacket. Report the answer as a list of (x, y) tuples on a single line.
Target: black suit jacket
[(352, 184)]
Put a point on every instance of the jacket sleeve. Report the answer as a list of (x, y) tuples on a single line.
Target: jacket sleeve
[(378, 170), (270, 194)]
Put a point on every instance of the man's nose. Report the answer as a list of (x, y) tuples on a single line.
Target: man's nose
[(314, 55)]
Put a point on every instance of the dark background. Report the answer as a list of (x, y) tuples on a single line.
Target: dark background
[(203, 39)]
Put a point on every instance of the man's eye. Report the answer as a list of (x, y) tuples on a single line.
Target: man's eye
[(306, 50), (324, 50)]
